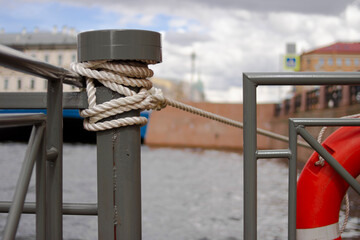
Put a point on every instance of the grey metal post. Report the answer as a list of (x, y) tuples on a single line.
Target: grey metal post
[(54, 140), (41, 191), (118, 150), (250, 172), (292, 181)]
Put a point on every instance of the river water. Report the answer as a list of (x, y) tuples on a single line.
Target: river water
[(187, 194)]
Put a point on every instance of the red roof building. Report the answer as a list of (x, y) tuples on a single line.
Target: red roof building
[(340, 56)]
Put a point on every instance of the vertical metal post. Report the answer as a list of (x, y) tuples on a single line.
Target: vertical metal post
[(54, 140), (292, 181), (118, 150), (41, 191), (250, 168), (119, 165)]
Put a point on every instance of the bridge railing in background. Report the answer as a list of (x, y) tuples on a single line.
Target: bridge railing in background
[(354, 94), (333, 96), (312, 99), (319, 98)]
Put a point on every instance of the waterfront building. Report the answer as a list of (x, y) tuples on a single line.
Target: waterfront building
[(337, 57), (56, 47), (59, 48)]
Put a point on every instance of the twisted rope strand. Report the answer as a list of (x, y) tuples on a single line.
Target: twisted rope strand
[(321, 161), (131, 69)]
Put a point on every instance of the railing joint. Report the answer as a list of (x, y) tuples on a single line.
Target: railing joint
[(299, 128), (52, 154)]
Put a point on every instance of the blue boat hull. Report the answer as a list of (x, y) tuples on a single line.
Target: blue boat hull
[(73, 129)]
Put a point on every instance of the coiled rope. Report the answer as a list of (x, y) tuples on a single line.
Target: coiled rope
[(321, 162), (120, 76)]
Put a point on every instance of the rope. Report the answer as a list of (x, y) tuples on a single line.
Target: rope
[(119, 76), (347, 213), (321, 162)]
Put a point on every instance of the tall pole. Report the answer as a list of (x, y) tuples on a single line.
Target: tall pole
[(192, 80), (118, 150)]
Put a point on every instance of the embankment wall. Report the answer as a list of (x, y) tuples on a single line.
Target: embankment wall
[(171, 127)]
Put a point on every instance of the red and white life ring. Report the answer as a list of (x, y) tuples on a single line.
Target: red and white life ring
[(320, 190)]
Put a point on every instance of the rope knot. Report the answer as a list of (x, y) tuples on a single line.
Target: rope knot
[(158, 100), (119, 76)]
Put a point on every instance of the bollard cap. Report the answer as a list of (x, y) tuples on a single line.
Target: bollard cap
[(119, 45)]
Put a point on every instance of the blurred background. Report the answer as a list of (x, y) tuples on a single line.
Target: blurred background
[(206, 45)]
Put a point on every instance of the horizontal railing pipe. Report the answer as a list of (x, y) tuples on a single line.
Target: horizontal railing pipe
[(21, 119), (318, 122), (277, 153), (305, 78), (19, 61), (68, 208), (38, 100)]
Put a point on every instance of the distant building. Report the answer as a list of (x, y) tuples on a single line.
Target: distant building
[(337, 57), (56, 47), (180, 90), (59, 48)]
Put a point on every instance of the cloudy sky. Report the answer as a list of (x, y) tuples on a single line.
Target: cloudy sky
[(228, 36)]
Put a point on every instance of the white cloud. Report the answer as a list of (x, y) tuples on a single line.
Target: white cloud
[(234, 36), (352, 15), (244, 41)]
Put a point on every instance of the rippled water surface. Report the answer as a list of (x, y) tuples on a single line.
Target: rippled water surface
[(186, 194)]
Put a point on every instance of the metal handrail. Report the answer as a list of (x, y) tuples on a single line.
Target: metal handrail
[(304, 78), (19, 61), (118, 208), (21, 119), (251, 153), (68, 208)]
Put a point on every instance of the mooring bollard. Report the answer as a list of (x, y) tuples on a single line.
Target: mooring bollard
[(118, 150)]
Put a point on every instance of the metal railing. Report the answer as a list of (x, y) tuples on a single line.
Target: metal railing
[(118, 207), (333, 96), (296, 127), (312, 99), (45, 145), (354, 94), (35, 152)]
